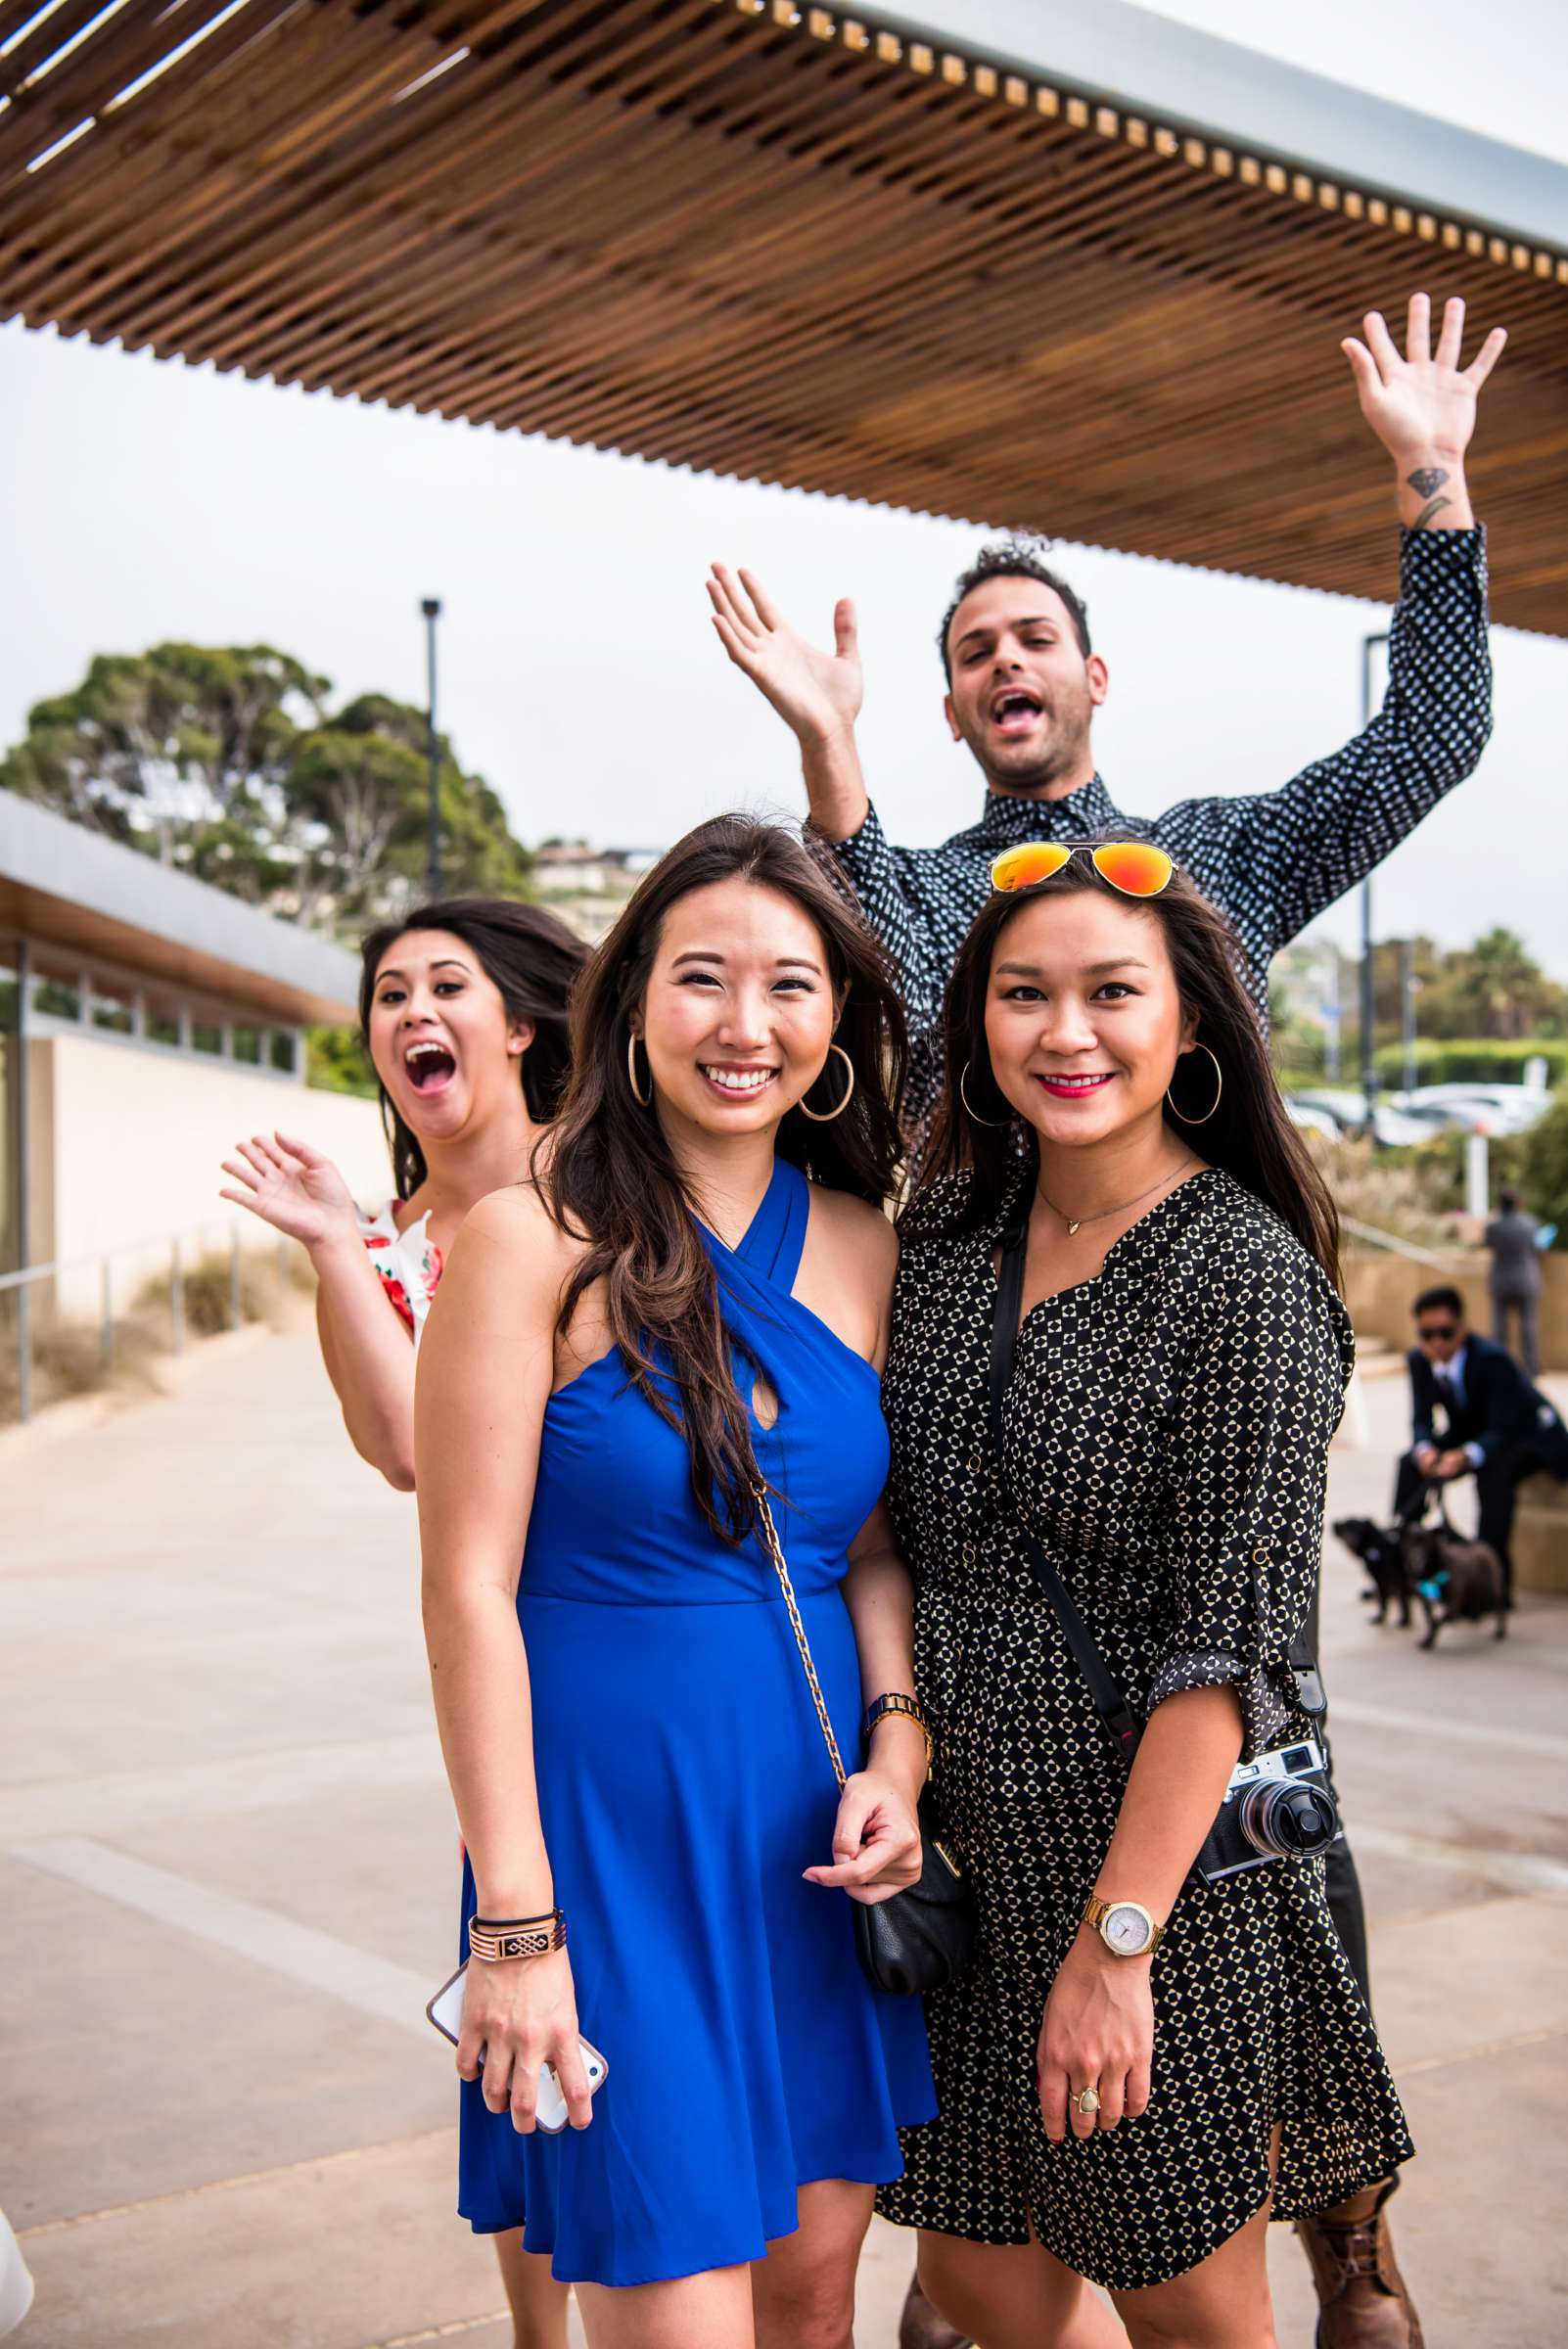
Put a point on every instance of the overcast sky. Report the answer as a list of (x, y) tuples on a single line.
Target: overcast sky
[(579, 671)]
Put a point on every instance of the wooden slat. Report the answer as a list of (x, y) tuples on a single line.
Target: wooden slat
[(711, 237)]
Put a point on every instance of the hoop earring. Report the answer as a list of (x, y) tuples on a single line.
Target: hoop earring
[(643, 1100), (964, 1098), (1218, 1089), (825, 1116)]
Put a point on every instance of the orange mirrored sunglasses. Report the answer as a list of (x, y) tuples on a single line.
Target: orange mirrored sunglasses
[(1133, 867)]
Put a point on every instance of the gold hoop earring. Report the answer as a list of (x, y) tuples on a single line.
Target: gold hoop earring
[(964, 1098), (643, 1100), (825, 1116), (1218, 1089)]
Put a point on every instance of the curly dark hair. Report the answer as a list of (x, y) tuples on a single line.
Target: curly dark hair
[(531, 956), (1014, 559), (609, 1173)]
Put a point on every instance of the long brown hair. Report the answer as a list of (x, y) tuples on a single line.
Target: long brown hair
[(532, 958), (610, 1177), (1250, 1134)]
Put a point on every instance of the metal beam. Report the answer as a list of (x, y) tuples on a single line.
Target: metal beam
[(1193, 81)]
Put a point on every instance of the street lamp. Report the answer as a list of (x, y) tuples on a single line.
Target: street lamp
[(1368, 977), (432, 608)]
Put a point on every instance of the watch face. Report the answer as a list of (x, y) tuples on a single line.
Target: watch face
[(1126, 1929)]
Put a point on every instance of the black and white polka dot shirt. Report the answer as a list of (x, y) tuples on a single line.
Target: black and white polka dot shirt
[(1272, 862)]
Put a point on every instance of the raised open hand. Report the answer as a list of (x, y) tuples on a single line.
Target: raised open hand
[(1422, 406), (290, 1185), (817, 694)]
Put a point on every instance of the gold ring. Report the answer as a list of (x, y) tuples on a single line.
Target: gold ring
[(1088, 2100)]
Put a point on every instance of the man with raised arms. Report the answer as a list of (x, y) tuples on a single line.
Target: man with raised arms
[(1024, 683)]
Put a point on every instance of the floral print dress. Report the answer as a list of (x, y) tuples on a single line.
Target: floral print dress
[(408, 1262)]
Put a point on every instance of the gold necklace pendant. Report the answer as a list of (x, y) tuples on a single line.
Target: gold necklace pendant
[(1100, 1214)]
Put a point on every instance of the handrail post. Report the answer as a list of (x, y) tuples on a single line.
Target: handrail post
[(24, 1352)]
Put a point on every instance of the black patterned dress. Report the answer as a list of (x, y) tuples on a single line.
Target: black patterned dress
[(1166, 1432)]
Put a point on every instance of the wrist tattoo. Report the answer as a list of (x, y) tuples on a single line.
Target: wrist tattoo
[(1426, 479), (1433, 506)]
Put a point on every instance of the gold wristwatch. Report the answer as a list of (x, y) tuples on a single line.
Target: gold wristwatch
[(909, 1708), (1125, 1927)]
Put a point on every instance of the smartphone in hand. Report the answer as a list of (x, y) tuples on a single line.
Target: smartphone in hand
[(446, 2012)]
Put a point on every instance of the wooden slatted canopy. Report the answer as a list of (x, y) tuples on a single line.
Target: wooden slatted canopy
[(786, 243)]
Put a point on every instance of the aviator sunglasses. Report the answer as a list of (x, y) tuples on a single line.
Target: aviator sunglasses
[(1133, 867)]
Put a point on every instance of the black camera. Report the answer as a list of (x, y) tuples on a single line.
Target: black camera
[(1275, 1807)]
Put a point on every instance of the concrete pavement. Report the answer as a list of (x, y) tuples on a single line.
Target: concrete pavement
[(228, 1879)]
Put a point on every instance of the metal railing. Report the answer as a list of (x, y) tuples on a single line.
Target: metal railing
[(1372, 1237), (180, 1251)]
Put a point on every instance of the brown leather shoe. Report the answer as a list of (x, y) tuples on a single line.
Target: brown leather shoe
[(1363, 2303), (920, 2326)]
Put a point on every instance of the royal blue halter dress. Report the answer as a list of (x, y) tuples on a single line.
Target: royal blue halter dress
[(684, 1786)]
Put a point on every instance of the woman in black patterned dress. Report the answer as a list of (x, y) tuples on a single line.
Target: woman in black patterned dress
[(1180, 1368)]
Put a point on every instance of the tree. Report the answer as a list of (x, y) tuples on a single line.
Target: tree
[(226, 763), (181, 750), (359, 795), (1494, 988)]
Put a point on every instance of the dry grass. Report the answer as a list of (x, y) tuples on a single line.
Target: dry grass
[(68, 1361), (1418, 1195), (68, 1357)]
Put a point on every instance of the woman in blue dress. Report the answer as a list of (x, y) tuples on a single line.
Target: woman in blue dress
[(689, 1300)]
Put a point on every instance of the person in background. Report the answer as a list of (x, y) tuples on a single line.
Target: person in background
[(1515, 1279), (463, 1010), (1497, 1425)]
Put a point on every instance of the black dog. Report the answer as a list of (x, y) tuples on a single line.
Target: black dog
[(1381, 1552), (1457, 1581)]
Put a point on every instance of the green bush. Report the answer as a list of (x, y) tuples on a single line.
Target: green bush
[(1543, 1174), (1477, 1060), (337, 1061)]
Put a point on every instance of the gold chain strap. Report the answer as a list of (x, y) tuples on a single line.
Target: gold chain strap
[(775, 1552)]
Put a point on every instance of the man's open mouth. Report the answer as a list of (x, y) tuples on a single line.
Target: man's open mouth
[(1015, 711), (430, 1066)]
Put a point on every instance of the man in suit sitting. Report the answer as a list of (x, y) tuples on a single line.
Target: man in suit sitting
[(1497, 1427)]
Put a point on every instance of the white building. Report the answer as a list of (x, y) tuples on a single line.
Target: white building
[(148, 1022)]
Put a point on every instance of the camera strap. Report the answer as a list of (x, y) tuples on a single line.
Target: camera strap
[(1109, 1702), (1115, 1712)]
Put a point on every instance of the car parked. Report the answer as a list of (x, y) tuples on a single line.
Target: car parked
[(1479, 1107), (1344, 1108)]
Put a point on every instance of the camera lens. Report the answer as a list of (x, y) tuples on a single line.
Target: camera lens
[(1289, 1816)]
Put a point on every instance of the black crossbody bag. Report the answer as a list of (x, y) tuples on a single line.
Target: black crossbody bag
[(919, 1940), (1122, 1723)]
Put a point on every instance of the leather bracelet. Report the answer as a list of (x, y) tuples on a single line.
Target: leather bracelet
[(525, 1937)]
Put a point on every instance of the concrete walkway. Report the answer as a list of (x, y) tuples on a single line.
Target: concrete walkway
[(227, 1884)]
